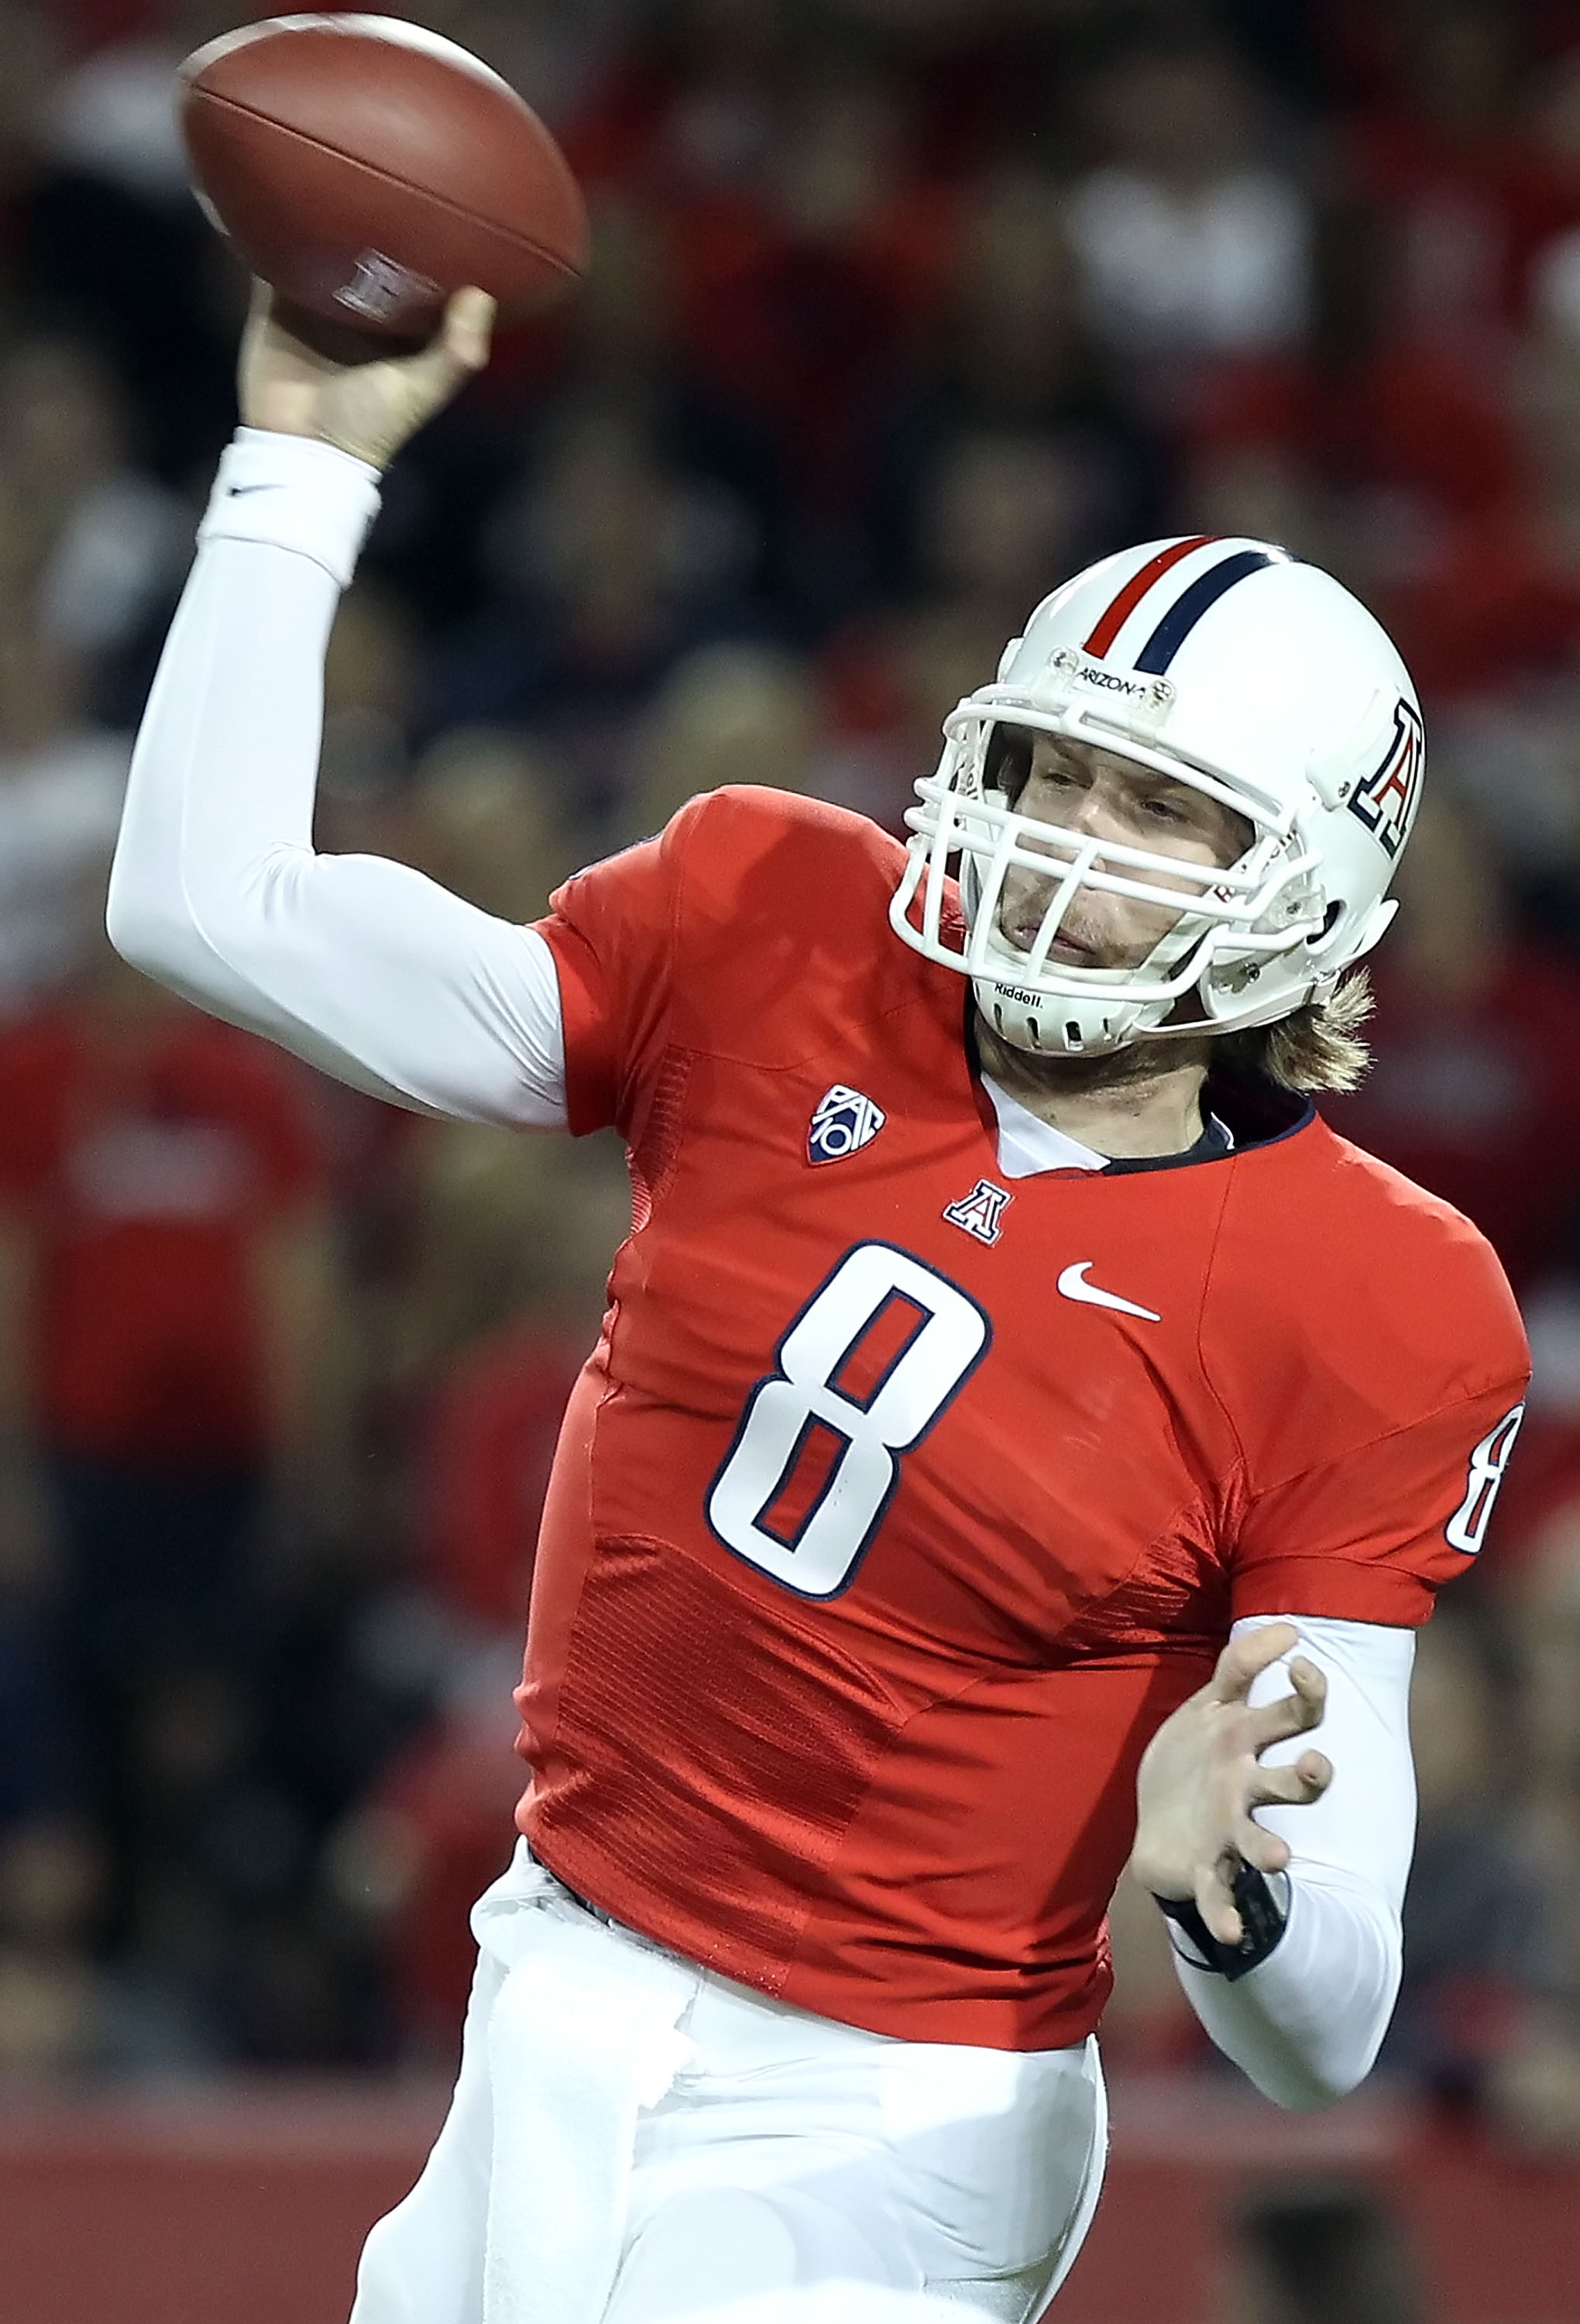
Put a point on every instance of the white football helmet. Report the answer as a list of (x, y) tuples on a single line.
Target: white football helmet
[(1222, 663)]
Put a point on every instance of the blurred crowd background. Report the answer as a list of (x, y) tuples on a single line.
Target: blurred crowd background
[(901, 310)]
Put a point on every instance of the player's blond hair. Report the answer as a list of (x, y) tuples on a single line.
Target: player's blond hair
[(1317, 1047)]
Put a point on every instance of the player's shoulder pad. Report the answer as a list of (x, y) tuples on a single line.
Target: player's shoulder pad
[(738, 839), (1350, 1301), (781, 925), (1406, 1216)]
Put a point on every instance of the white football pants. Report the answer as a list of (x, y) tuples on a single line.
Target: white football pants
[(634, 2140)]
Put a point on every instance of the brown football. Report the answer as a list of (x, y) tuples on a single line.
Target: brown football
[(367, 168)]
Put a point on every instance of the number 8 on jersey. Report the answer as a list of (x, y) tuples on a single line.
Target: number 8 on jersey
[(948, 1339)]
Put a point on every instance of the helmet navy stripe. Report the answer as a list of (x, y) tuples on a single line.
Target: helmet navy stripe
[(1188, 608), (1113, 621)]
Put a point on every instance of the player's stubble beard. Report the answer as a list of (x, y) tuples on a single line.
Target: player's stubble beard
[(1173, 1070)]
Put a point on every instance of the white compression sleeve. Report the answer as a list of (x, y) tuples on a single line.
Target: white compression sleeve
[(1306, 2023), (358, 964)]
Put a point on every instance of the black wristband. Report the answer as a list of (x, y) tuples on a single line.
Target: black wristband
[(1262, 1922)]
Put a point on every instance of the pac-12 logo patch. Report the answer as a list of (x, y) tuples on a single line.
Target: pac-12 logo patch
[(843, 1122), (1385, 801)]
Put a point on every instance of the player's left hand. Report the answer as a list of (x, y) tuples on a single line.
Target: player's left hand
[(1200, 1778)]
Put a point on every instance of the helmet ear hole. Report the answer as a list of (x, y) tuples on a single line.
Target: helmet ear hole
[(1330, 919)]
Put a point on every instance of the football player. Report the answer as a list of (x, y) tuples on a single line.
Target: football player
[(1018, 1423)]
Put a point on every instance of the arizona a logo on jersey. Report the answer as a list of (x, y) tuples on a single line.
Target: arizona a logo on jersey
[(843, 1122), (980, 1212)]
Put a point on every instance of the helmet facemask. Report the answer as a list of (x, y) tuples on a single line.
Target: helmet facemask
[(1200, 975)]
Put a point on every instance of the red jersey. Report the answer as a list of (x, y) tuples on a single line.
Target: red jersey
[(902, 1500)]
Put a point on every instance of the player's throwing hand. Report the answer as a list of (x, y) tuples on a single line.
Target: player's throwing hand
[(369, 409), (1201, 1777)]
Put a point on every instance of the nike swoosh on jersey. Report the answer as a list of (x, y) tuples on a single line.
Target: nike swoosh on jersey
[(1074, 1285)]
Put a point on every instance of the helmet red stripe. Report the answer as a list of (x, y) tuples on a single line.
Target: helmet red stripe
[(1111, 622)]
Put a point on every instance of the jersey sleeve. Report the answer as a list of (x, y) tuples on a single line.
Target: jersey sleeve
[(1373, 1377), (1370, 1536), (737, 931), (612, 930)]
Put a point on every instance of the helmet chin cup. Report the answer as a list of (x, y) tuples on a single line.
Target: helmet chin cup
[(1044, 1025), (1088, 1012)]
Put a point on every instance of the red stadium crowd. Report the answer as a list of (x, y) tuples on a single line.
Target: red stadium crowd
[(901, 310)]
